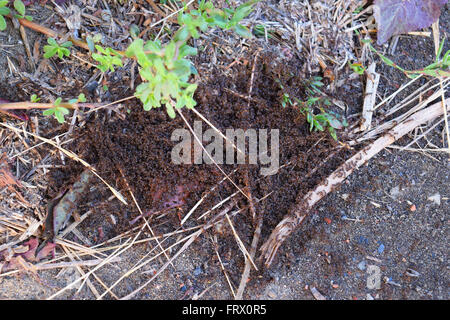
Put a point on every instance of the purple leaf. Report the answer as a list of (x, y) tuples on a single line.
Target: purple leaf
[(401, 16)]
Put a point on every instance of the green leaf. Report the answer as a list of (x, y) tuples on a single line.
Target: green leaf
[(243, 31), (3, 3), (90, 43), (34, 98), (63, 110), (19, 6), (65, 52), (317, 125), (182, 68), (67, 44), (135, 47), (170, 51), (57, 102), (241, 13), (49, 51), (335, 123), (134, 31), (186, 50), (48, 112), (182, 34), (2, 23), (333, 133), (4, 11), (59, 116), (52, 42), (170, 110), (309, 117)]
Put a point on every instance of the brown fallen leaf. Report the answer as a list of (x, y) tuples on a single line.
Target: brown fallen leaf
[(12, 259)]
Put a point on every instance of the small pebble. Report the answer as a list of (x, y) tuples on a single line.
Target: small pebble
[(381, 248), (197, 271), (436, 198), (362, 265), (395, 192)]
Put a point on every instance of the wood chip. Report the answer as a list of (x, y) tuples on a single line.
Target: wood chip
[(317, 295), (373, 79)]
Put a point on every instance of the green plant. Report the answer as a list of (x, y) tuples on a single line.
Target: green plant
[(357, 67), (60, 110), (91, 41), (326, 119), (439, 68), (20, 8), (54, 48), (107, 58), (57, 111), (318, 122), (34, 98), (165, 68), (4, 11)]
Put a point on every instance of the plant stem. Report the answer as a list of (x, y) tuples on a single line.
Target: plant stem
[(49, 32), (33, 105)]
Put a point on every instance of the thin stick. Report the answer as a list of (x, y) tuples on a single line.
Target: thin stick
[(240, 243), (253, 248), (189, 240), (72, 156), (217, 130), (224, 270), (105, 261), (81, 272)]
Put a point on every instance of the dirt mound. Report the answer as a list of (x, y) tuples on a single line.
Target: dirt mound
[(136, 152)]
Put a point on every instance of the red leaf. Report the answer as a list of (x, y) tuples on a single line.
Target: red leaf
[(402, 16)]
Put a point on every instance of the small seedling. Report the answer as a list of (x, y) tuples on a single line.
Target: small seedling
[(285, 100), (357, 68), (326, 119), (318, 122), (81, 98), (57, 111), (20, 8), (91, 41), (60, 111), (107, 58), (54, 48), (34, 98)]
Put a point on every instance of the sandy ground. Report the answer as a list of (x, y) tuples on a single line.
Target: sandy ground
[(332, 253)]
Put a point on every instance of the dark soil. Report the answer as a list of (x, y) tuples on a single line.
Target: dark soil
[(135, 152)]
